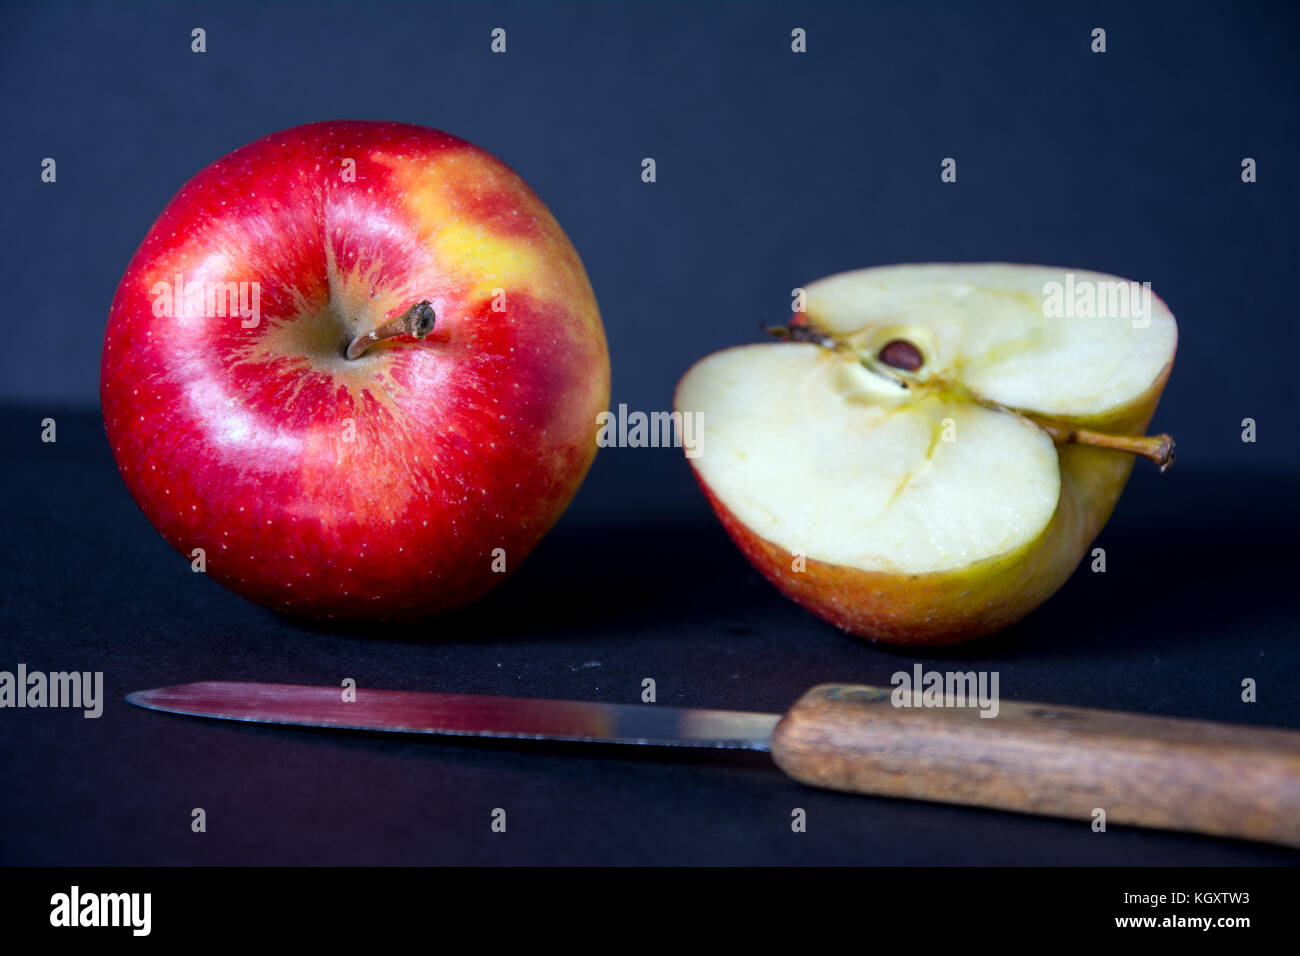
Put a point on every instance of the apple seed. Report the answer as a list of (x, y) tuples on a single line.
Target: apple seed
[(901, 353)]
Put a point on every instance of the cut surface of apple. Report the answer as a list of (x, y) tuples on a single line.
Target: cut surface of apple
[(916, 463)]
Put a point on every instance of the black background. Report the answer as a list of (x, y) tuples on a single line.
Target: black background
[(773, 169)]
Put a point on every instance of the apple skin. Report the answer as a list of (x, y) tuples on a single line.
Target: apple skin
[(376, 488), (949, 607)]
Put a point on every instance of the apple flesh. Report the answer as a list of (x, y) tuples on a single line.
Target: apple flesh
[(411, 408), (928, 457)]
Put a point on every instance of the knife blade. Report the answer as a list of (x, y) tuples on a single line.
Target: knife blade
[(464, 715), (1219, 779)]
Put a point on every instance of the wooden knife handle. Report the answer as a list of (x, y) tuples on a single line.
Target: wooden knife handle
[(1192, 775)]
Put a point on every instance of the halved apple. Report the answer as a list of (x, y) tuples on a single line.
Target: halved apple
[(928, 455)]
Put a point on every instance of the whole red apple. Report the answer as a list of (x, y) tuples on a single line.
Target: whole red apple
[(359, 365)]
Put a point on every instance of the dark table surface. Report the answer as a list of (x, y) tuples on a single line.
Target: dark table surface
[(637, 580)]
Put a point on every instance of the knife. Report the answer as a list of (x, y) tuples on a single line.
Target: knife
[(1191, 775)]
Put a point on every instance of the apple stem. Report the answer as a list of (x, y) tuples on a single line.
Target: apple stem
[(1159, 448), (417, 321)]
